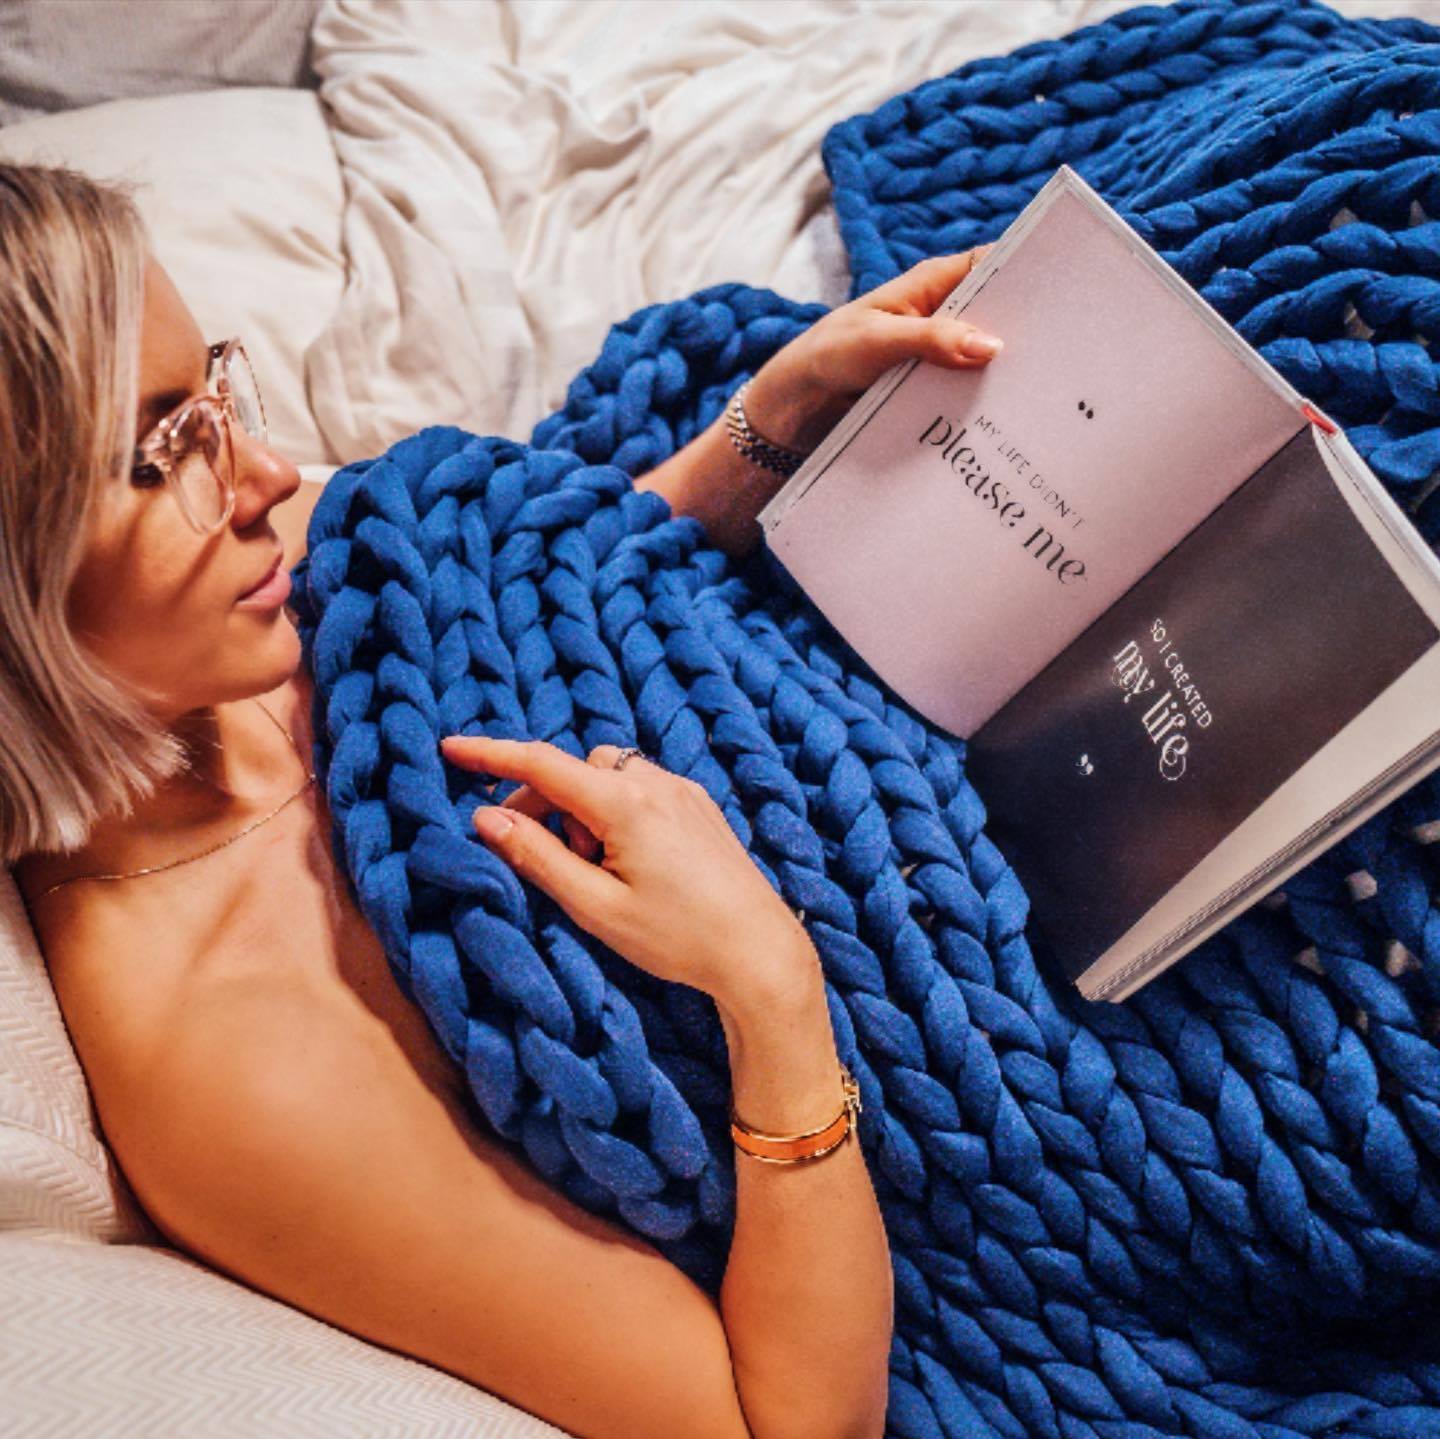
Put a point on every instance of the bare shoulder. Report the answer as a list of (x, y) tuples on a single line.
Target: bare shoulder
[(305, 1158), (285, 1116)]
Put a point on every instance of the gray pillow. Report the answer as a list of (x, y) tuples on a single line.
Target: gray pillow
[(62, 54)]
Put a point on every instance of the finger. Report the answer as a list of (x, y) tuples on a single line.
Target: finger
[(529, 801), (956, 344), (604, 756), (581, 840), (585, 891), (924, 287), (563, 780)]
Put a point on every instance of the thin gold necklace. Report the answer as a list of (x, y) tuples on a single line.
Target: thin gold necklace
[(191, 858)]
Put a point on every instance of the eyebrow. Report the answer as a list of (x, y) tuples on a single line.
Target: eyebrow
[(153, 407), (157, 405)]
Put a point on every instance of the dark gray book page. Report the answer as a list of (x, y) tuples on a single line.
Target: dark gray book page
[(1248, 647)]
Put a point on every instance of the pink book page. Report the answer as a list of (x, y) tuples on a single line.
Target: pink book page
[(980, 519)]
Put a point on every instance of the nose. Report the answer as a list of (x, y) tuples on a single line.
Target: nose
[(263, 478)]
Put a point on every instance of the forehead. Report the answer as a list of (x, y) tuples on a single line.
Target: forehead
[(172, 347)]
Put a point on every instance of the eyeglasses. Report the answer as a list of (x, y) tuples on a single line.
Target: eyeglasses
[(191, 449)]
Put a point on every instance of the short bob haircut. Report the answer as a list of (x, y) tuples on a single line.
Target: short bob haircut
[(73, 744)]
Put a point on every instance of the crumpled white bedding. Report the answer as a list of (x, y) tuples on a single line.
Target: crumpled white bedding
[(519, 176)]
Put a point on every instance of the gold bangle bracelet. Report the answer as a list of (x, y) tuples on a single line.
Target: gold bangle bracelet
[(813, 1143)]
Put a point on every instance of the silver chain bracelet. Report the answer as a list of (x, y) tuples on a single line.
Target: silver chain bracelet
[(754, 448)]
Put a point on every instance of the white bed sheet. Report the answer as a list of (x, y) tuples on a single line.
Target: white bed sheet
[(521, 175)]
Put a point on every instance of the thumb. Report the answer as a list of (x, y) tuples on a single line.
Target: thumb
[(937, 339), (583, 890)]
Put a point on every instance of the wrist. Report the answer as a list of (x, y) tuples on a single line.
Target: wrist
[(796, 1146), (794, 415), (785, 1072), (790, 987)]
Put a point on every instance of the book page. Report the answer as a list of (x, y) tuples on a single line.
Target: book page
[(1389, 746), (962, 531), (1221, 673)]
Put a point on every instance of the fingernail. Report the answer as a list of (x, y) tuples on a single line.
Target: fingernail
[(979, 346), (492, 821), (449, 744)]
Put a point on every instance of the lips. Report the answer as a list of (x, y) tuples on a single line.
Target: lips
[(266, 578)]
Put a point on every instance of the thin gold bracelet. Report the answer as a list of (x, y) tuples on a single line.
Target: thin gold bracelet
[(813, 1143)]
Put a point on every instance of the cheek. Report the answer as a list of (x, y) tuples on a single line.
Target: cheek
[(155, 604), (145, 603)]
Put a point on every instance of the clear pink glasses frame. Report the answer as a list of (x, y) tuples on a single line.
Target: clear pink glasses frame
[(164, 451)]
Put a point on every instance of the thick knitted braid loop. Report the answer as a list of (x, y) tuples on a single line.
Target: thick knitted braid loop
[(1213, 1210)]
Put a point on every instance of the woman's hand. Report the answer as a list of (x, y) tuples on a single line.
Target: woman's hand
[(800, 394), (673, 891)]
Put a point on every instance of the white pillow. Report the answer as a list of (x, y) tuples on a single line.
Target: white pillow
[(59, 57), (55, 1173), (131, 1342), (242, 195)]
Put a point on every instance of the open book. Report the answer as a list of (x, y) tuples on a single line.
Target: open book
[(1189, 638)]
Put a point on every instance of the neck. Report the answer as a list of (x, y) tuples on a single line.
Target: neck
[(235, 749)]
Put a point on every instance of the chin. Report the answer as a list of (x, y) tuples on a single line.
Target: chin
[(288, 655), (231, 670), (267, 665)]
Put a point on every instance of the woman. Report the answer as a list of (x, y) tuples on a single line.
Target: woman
[(279, 1108)]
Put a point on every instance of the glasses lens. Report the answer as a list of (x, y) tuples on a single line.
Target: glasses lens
[(201, 459), (246, 394)]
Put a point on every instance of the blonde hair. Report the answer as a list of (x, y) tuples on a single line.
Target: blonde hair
[(73, 744)]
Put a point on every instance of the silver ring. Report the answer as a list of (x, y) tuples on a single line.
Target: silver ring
[(625, 754)]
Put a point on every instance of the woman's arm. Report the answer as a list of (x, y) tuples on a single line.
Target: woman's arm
[(806, 1298), (710, 480), (803, 391), (297, 1150)]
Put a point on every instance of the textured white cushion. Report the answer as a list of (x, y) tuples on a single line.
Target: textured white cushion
[(242, 195), (55, 1174), (135, 1342)]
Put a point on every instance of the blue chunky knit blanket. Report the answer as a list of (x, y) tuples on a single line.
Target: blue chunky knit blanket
[(1211, 1211)]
